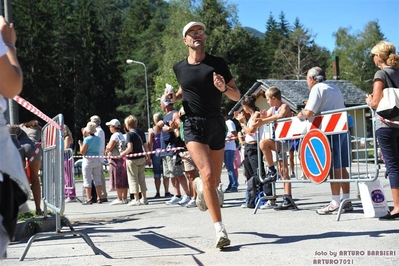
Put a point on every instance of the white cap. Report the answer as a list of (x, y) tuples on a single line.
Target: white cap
[(114, 122), (190, 25)]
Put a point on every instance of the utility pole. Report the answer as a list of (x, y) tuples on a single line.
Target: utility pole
[(13, 117)]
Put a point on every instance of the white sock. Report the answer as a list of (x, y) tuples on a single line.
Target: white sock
[(345, 196), (335, 200), (218, 225)]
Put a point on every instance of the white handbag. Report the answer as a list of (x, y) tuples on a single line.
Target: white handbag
[(388, 107)]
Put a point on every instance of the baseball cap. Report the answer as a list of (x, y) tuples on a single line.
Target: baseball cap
[(190, 25), (114, 122)]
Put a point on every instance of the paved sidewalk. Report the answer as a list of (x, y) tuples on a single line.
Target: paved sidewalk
[(157, 234)]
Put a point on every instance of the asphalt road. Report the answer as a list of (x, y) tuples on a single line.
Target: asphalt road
[(157, 234)]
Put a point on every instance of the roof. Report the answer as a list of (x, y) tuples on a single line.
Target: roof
[(295, 92)]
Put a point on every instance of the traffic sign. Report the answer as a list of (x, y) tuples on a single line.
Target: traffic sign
[(315, 156)]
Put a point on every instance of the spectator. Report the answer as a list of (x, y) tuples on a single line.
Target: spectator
[(34, 132), (136, 143), (118, 174), (70, 193), (203, 79), (386, 59), (251, 130), (190, 169), (170, 168), (14, 186), (229, 152), (277, 110), (319, 101), (100, 133), (154, 144), (29, 151), (91, 167)]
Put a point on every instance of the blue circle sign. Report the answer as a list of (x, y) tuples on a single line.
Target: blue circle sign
[(315, 156)]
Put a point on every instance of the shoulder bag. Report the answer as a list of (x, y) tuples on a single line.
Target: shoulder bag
[(388, 107)]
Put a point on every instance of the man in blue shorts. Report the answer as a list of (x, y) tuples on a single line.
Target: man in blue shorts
[(203, 79), (320, 100)]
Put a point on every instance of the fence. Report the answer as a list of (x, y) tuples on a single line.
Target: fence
[(313, 160), (53, 183)]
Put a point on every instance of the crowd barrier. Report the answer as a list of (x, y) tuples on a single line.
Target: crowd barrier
[(53, 183), (69, 175), (313, 158)]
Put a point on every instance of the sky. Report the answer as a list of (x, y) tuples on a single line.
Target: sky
[(323, 17)]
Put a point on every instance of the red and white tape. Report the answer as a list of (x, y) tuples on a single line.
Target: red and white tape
[(28, 106), (131, 155), (39, 146)]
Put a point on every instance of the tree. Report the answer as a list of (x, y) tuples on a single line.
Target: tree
[(353, 50), (297, 53)]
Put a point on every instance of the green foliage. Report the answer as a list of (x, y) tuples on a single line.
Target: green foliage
[(73, 53)]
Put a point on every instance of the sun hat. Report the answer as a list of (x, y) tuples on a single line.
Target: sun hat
[(114, 122), (190, 25), (91, 127)]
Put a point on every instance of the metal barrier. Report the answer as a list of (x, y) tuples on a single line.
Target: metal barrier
[(69, 176), (363, 157), (54, 183)]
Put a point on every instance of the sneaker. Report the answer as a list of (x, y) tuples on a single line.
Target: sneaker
[(143, 201), (244, 206), (230, 190), (117, 202), (270, 177), (200, 201), (168, 195), (348, 206), (185, 199), (222, 240), (292, 176), (157, 196), (270, 204), (220, 193), (125, 201), (329, 209), (287, 204), (69, 199), (134, 203), (191, 204), (174, 200)]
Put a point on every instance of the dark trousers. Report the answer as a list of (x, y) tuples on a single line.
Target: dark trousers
[(388, 140)]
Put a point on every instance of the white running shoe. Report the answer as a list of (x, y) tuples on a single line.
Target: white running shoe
[(143, 201), (174, 200), (191, 204), (134, 203), (201, 204), (270, 204), (117, 202), (185, 199), (222, 240)]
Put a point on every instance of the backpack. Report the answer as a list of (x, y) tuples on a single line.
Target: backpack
[(121, 146)]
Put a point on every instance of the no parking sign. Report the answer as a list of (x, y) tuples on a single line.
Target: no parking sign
[(315, 154)]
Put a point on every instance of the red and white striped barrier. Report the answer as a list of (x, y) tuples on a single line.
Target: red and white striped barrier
[(331, 123)]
